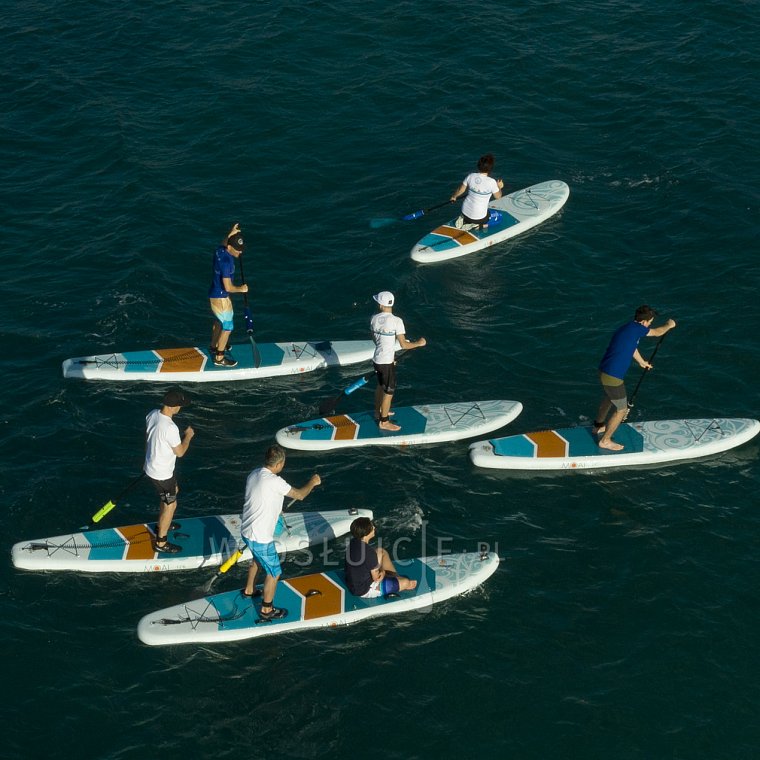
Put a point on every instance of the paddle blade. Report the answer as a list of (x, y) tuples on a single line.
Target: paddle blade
[(103, 511), (377, 223), (230, 562), (415, 215), (362, 381)]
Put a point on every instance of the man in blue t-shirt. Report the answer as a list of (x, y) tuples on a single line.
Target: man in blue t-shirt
[(615, 363), (223, 270)]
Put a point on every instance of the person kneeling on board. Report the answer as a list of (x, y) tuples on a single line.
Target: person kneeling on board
[(479, 187), (264, 493), (370, 572), (386, 329), (162, 447), (615, 363)]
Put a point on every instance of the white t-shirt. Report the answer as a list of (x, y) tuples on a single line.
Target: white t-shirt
[(162, 437), (264, 492), (385, 327), (480, 188)]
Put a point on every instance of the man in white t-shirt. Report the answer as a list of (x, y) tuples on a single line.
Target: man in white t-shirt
[(264, 492), (162, 447), (479, 188), (386, 330)]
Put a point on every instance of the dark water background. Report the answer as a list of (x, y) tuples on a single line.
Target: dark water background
[(623, 622)]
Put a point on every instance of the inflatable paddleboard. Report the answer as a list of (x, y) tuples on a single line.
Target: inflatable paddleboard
[(657, 442), (431, 423), (518, 212), (196, 365), (205, 542), (313, 601)]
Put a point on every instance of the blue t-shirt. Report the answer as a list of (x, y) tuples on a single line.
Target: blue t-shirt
[(617, 357), (223, 266)]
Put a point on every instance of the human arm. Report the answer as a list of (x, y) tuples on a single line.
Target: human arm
[(301, 493), (230, 288), (181, 450), (656, 332), (461, 189), (408, 344), (235, 229), (500, 183)]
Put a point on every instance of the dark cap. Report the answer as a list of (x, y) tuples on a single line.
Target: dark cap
[(236, 241), (175, 397)]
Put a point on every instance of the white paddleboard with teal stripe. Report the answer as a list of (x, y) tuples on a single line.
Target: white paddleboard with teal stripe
[(196, 365), (319, 600), (645, 443), (429, 423), (205, 542), (520, 211)]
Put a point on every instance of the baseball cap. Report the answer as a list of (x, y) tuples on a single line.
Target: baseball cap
[(236, 241), (175, 397), (384, 298)]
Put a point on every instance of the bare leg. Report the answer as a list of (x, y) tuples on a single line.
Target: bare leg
[(250, 583), (606, 442), (404, 583), (604, 409), (215, 331), (378, 400), (270, 586), (165, 517), (385, 411), (221, 344)]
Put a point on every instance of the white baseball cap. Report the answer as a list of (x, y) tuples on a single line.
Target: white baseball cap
[(384, 298)]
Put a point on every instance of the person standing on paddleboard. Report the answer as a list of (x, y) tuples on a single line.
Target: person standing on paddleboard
[(264, 493), (223, 270), (479, 187), (615, 363), (386, 329), (163, 446), (370, 572)]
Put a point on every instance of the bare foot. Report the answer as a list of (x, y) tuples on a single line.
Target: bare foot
[(610, 444), (390, 426)]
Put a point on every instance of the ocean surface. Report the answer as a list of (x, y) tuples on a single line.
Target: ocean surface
[(623, 621)]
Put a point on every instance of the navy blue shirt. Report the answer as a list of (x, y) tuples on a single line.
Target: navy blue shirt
[(617, 357), (361, 560), (222, 266)]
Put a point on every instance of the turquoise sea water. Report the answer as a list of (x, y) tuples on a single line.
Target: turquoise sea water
[(623, 620)]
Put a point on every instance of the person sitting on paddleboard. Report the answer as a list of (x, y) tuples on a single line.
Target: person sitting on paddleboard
[(615, 363), (370, 572), (264, 493), (386, 329), (223, 270), (479, 187), (162, 447)]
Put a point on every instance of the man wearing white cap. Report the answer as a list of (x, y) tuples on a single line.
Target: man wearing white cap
[(386, 330)]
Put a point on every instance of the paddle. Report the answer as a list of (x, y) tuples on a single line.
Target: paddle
[(375, 223), (109, 505), (234, 558), (249, 319), (328, 405), (644, 374)]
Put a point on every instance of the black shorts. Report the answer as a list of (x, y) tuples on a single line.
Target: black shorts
[(484, 220), (386, 377), (166, 489)]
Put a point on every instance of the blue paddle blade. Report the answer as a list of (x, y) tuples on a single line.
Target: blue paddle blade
[(362, 381), (415, 215)]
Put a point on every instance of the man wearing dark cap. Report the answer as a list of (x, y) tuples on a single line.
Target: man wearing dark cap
[(623, 347), (223, 270), (162, 447)]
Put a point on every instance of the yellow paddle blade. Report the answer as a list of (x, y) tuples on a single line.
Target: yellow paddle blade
[(230, 562), (103, 511)]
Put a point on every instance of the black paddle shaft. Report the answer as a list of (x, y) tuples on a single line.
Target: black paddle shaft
[(643, 374)]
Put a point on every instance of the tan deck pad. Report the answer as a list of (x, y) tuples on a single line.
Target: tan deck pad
[(329, 600), (548, 444)]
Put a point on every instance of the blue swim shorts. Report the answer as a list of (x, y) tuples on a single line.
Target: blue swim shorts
[(222, 308), (265, 555)]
